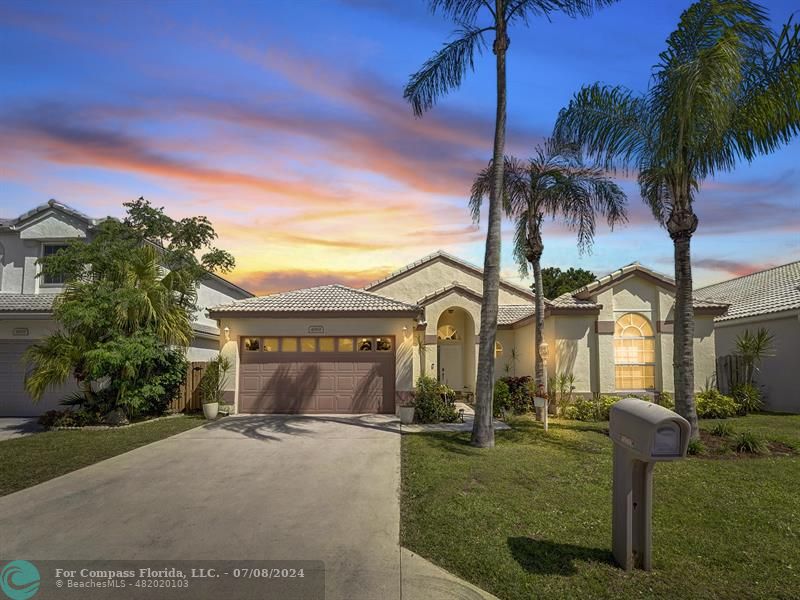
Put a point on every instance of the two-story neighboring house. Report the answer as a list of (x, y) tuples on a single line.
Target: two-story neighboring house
[(26, 300)]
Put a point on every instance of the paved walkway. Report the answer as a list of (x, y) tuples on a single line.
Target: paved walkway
[(245, 487), (14, 427)]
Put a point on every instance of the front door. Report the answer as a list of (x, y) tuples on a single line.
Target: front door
[(451, 365)]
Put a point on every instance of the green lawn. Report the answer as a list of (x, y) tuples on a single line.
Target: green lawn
[(36, 458), (531, 518)]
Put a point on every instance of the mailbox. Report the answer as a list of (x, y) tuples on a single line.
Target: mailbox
[(648, 431), (643, 434)]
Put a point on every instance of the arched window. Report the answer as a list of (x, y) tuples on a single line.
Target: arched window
[(634, 353), (498, 349), (447, 332)]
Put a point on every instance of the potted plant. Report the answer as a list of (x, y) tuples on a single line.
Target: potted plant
[(406, 413), (212, 386)]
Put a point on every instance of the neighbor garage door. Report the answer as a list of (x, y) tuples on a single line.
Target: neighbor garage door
[(343, 374), (14, 400)]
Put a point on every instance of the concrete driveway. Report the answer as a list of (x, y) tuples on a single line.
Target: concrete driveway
[(245, 487), (14, 427)]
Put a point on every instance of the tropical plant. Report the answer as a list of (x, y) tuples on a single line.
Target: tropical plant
[(556, 282), (215, 380), (722, 429), (696, 447), (726, 88), (749, 443), (502, 398), (555, 182), (126, 311), (754, 348), (445, 71), (748, 398)]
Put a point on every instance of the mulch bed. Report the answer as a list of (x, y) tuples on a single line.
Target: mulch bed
[(720, 447)]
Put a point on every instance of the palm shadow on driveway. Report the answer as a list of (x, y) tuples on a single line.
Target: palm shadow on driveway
[(275, 428)]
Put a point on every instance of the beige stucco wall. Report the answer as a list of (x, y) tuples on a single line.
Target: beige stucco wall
[(37, 328), (778, 374), (414, 285), (593, 357), (404, 340)]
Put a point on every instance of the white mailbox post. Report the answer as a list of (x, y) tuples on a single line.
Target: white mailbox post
[(643, 434)]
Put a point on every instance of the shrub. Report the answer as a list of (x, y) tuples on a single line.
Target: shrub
[(433, 402), (666, 400), (748, 398), (590, 409), (750, 443), (502, 397), (68, 418), (722, 429), (521, 392), (713, 404), (696, 447)]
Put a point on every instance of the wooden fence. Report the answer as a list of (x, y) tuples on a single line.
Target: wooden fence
[(188, 397), (731, 371)]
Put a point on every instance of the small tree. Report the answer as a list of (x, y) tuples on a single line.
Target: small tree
[(754, 348), (127, 308), (556, 282), (215, 380)]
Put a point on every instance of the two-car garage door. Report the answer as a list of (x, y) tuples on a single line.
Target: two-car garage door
[(342, 374)]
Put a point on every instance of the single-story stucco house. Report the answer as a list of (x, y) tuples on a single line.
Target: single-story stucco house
[(26, 300), (768, 299), (334, 349)]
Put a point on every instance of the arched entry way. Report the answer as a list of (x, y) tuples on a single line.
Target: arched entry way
[(455, 349)]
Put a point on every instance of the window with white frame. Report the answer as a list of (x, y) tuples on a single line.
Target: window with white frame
[(634, 353), (57, 278)]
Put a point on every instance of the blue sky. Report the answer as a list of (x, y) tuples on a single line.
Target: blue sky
[(284, 122)]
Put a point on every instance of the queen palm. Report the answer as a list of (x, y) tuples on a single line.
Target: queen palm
[(726, 88), (445, 71), (555, 182)]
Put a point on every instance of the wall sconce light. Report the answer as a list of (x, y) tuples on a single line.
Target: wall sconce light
[(227, 331), (543, 350)]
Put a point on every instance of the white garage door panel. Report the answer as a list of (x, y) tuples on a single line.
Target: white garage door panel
[(14, 400)]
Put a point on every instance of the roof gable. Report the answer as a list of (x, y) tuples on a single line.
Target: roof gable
[(453, 288), (631, 270), (447, 258)]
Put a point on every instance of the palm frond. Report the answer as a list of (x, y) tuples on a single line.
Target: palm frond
[(523, 10), (461, 11), (445, 70)]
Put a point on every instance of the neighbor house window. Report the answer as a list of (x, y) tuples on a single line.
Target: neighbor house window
[(634, 353), (365, 345), (383, 344), (447, 332), (53, 279), (288, 344), (344, 344), (326, 344), (270, 344), (498, 349), (252, 344)]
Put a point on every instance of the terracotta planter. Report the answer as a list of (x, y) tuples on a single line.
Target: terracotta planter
[(210, 410), (406, 414)]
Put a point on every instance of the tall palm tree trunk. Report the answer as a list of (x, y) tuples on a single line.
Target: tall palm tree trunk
[(539, 373), (483, 426), (681, 226)]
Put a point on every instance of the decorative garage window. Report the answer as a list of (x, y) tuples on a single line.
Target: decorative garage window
[(326, 344), (344, 344), (498, 349), (252, 344), (308, 344), (447, 332), (383, 344), (634, 353), (288, 344), (270, 344), (365, 344)]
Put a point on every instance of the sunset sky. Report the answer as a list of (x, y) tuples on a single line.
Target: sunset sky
[(284, 122)]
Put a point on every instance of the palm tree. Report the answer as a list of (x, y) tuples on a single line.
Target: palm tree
[(443, 72), (753, 348), (726, 88), (141, 297), (555, 182)]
